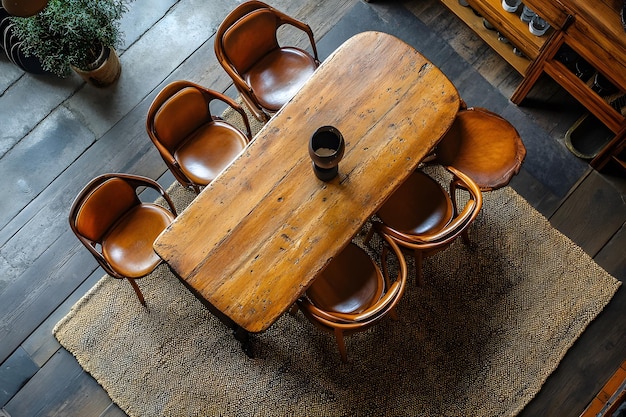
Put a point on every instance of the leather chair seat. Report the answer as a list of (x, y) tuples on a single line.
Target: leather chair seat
[(349, 284), (209, 150), (277, 77), (421, 216), (353, 293), (195, 144), (117, 228), (419, 206), (128, 245), (266, 72), (484, 146)]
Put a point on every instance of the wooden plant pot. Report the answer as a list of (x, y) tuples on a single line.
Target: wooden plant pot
[(106, 70)]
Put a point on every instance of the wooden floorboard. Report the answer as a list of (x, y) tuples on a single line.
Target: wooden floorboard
[(61, 388), (612, 256), (39, 345), (76, 132), (536, 193), (593, 212), (48, 269)]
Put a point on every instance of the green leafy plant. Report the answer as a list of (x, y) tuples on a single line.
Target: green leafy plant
[(70, 33)]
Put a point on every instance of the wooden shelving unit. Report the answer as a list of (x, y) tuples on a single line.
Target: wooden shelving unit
[(511, 25), (592, 29), (583, 93), (467, 15)]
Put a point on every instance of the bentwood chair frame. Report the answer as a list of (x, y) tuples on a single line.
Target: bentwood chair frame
[(167, 148), (456, 224), (388, 294), (249, 43), (91, 229)]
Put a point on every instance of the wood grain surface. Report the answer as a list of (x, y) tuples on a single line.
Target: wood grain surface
[(255, 238)]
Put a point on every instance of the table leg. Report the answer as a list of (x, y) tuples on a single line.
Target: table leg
[(240, 334), (244, 338)]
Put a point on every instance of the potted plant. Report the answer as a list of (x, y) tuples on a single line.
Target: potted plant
[(75, 34)]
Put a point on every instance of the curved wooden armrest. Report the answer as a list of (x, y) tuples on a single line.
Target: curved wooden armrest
[(457, 225), (307, 29), (386, 303), (462, 181), (237, 107), (286, 19), (335, 319), (140, 181)]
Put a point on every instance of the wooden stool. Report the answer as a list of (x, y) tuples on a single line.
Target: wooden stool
[(484, 146)]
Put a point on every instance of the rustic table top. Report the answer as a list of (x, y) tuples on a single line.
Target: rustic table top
[(254, 239)]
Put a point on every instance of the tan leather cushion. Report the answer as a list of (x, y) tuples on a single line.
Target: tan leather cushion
[(103, 207), (349, 284), (419, 206), (128, 246), (250, 38), (279, 75), (484, 146), (209, 150), (180, 116)]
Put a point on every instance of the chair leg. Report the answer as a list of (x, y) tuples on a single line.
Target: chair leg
[(294, 309), (419, 274), (341, 344), (393, 313), (369, 235), (453, 187), (137, 291), (465, 236)]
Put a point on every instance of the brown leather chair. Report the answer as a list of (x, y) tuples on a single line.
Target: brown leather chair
[(420, 215), (352, 293), (108, 217), (484, 146), (266, 74), (195, 145)]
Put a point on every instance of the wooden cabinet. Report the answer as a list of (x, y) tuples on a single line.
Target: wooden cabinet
[(592, 29)]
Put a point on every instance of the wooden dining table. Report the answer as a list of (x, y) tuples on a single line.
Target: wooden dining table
[(257, 236)]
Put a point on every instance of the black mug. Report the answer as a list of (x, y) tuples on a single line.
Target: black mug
[(326, 149)]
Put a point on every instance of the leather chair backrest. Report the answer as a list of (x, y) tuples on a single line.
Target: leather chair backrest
[(250, 38), (103, 207), (180, 116)]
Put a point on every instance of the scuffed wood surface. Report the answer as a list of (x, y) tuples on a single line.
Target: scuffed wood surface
[(253, 241)]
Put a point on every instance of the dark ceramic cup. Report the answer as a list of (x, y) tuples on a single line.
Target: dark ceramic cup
[(326, 148)]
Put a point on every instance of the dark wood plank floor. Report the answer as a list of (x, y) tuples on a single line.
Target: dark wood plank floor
[(57, 134)]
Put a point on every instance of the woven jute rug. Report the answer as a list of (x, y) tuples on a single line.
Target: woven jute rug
[(491, 323)]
